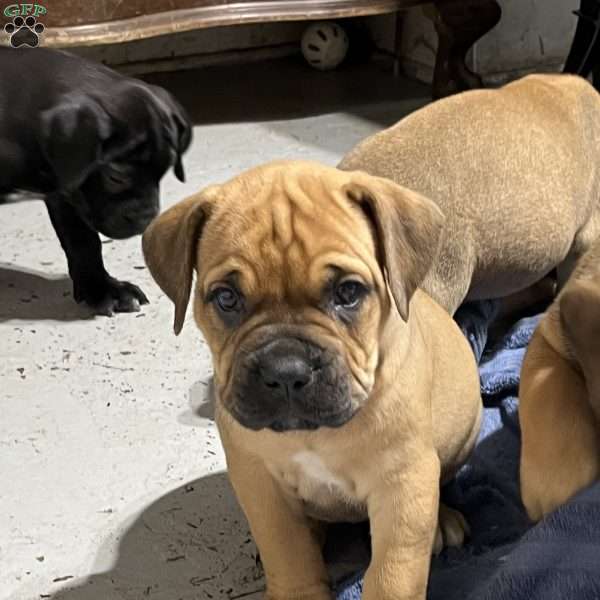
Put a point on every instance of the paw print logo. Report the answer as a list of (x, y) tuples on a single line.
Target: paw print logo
[(24, 32)]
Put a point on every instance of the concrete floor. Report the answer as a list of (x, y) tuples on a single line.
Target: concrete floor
[(113, 484)]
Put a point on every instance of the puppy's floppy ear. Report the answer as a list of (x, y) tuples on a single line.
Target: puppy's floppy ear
[(169, 245), (183, 140), (71, 135), (407, 228), (176, 127)]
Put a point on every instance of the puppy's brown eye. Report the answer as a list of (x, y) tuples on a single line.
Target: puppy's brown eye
[(227, 299), (349, 293)]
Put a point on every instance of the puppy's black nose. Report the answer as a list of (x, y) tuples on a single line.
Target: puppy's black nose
[(284, 367), (289, 373)]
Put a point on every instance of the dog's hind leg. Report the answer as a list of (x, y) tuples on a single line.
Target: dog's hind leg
[(560, 446), (580, 318)]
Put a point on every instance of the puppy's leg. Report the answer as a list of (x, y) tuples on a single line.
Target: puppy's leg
[(403, 514), (580, 317), (91, 283), (288, 541), (560, 447)]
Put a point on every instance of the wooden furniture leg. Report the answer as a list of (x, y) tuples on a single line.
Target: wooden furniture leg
[(459, 24)]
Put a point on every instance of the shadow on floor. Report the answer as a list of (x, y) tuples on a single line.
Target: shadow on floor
[(192, 543), (34, 295), (289, 89)]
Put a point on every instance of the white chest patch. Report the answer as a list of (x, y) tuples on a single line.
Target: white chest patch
[(327, 496), (315, 473)]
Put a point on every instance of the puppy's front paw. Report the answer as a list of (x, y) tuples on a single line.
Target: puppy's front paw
[(111, 296), (451, 530)]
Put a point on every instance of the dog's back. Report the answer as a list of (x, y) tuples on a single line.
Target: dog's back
[(32, 81), (41, 80), (515, 172), (54, 70)]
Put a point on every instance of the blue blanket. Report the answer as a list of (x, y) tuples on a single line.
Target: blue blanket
[(505, 558)]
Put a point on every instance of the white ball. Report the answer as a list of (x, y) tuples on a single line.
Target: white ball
[(324, 45)]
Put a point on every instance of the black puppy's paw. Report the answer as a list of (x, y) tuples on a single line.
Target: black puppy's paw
[(111, 296)]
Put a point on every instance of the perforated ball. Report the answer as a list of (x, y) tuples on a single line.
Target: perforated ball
[(324, 45)]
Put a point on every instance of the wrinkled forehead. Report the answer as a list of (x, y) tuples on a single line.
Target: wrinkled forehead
[(288, 234)]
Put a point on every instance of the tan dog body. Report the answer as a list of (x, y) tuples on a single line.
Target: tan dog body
[(559, 396), (386, 464), (398, 404), (514, 170)]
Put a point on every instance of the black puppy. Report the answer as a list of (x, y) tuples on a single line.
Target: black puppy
[(96, 144)]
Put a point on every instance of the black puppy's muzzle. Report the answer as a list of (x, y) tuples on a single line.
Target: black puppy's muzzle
[(292, 384), (124, 226), (127, 219)]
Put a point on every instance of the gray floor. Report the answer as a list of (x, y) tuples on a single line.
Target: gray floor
[(113, 483)]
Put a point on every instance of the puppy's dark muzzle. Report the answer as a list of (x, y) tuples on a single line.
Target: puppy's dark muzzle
[(126, 225), (291, 384)]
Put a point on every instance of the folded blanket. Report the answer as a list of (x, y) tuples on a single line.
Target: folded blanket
[(506, 558)]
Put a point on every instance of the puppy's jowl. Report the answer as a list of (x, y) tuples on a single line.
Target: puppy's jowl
[(343, 391), (96, 144)]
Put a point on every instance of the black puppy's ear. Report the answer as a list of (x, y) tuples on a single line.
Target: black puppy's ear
[(407, 228), (176, 127), (184, 138), (71, 137)]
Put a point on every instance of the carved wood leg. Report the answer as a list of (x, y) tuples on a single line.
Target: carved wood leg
[(459, 24)]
